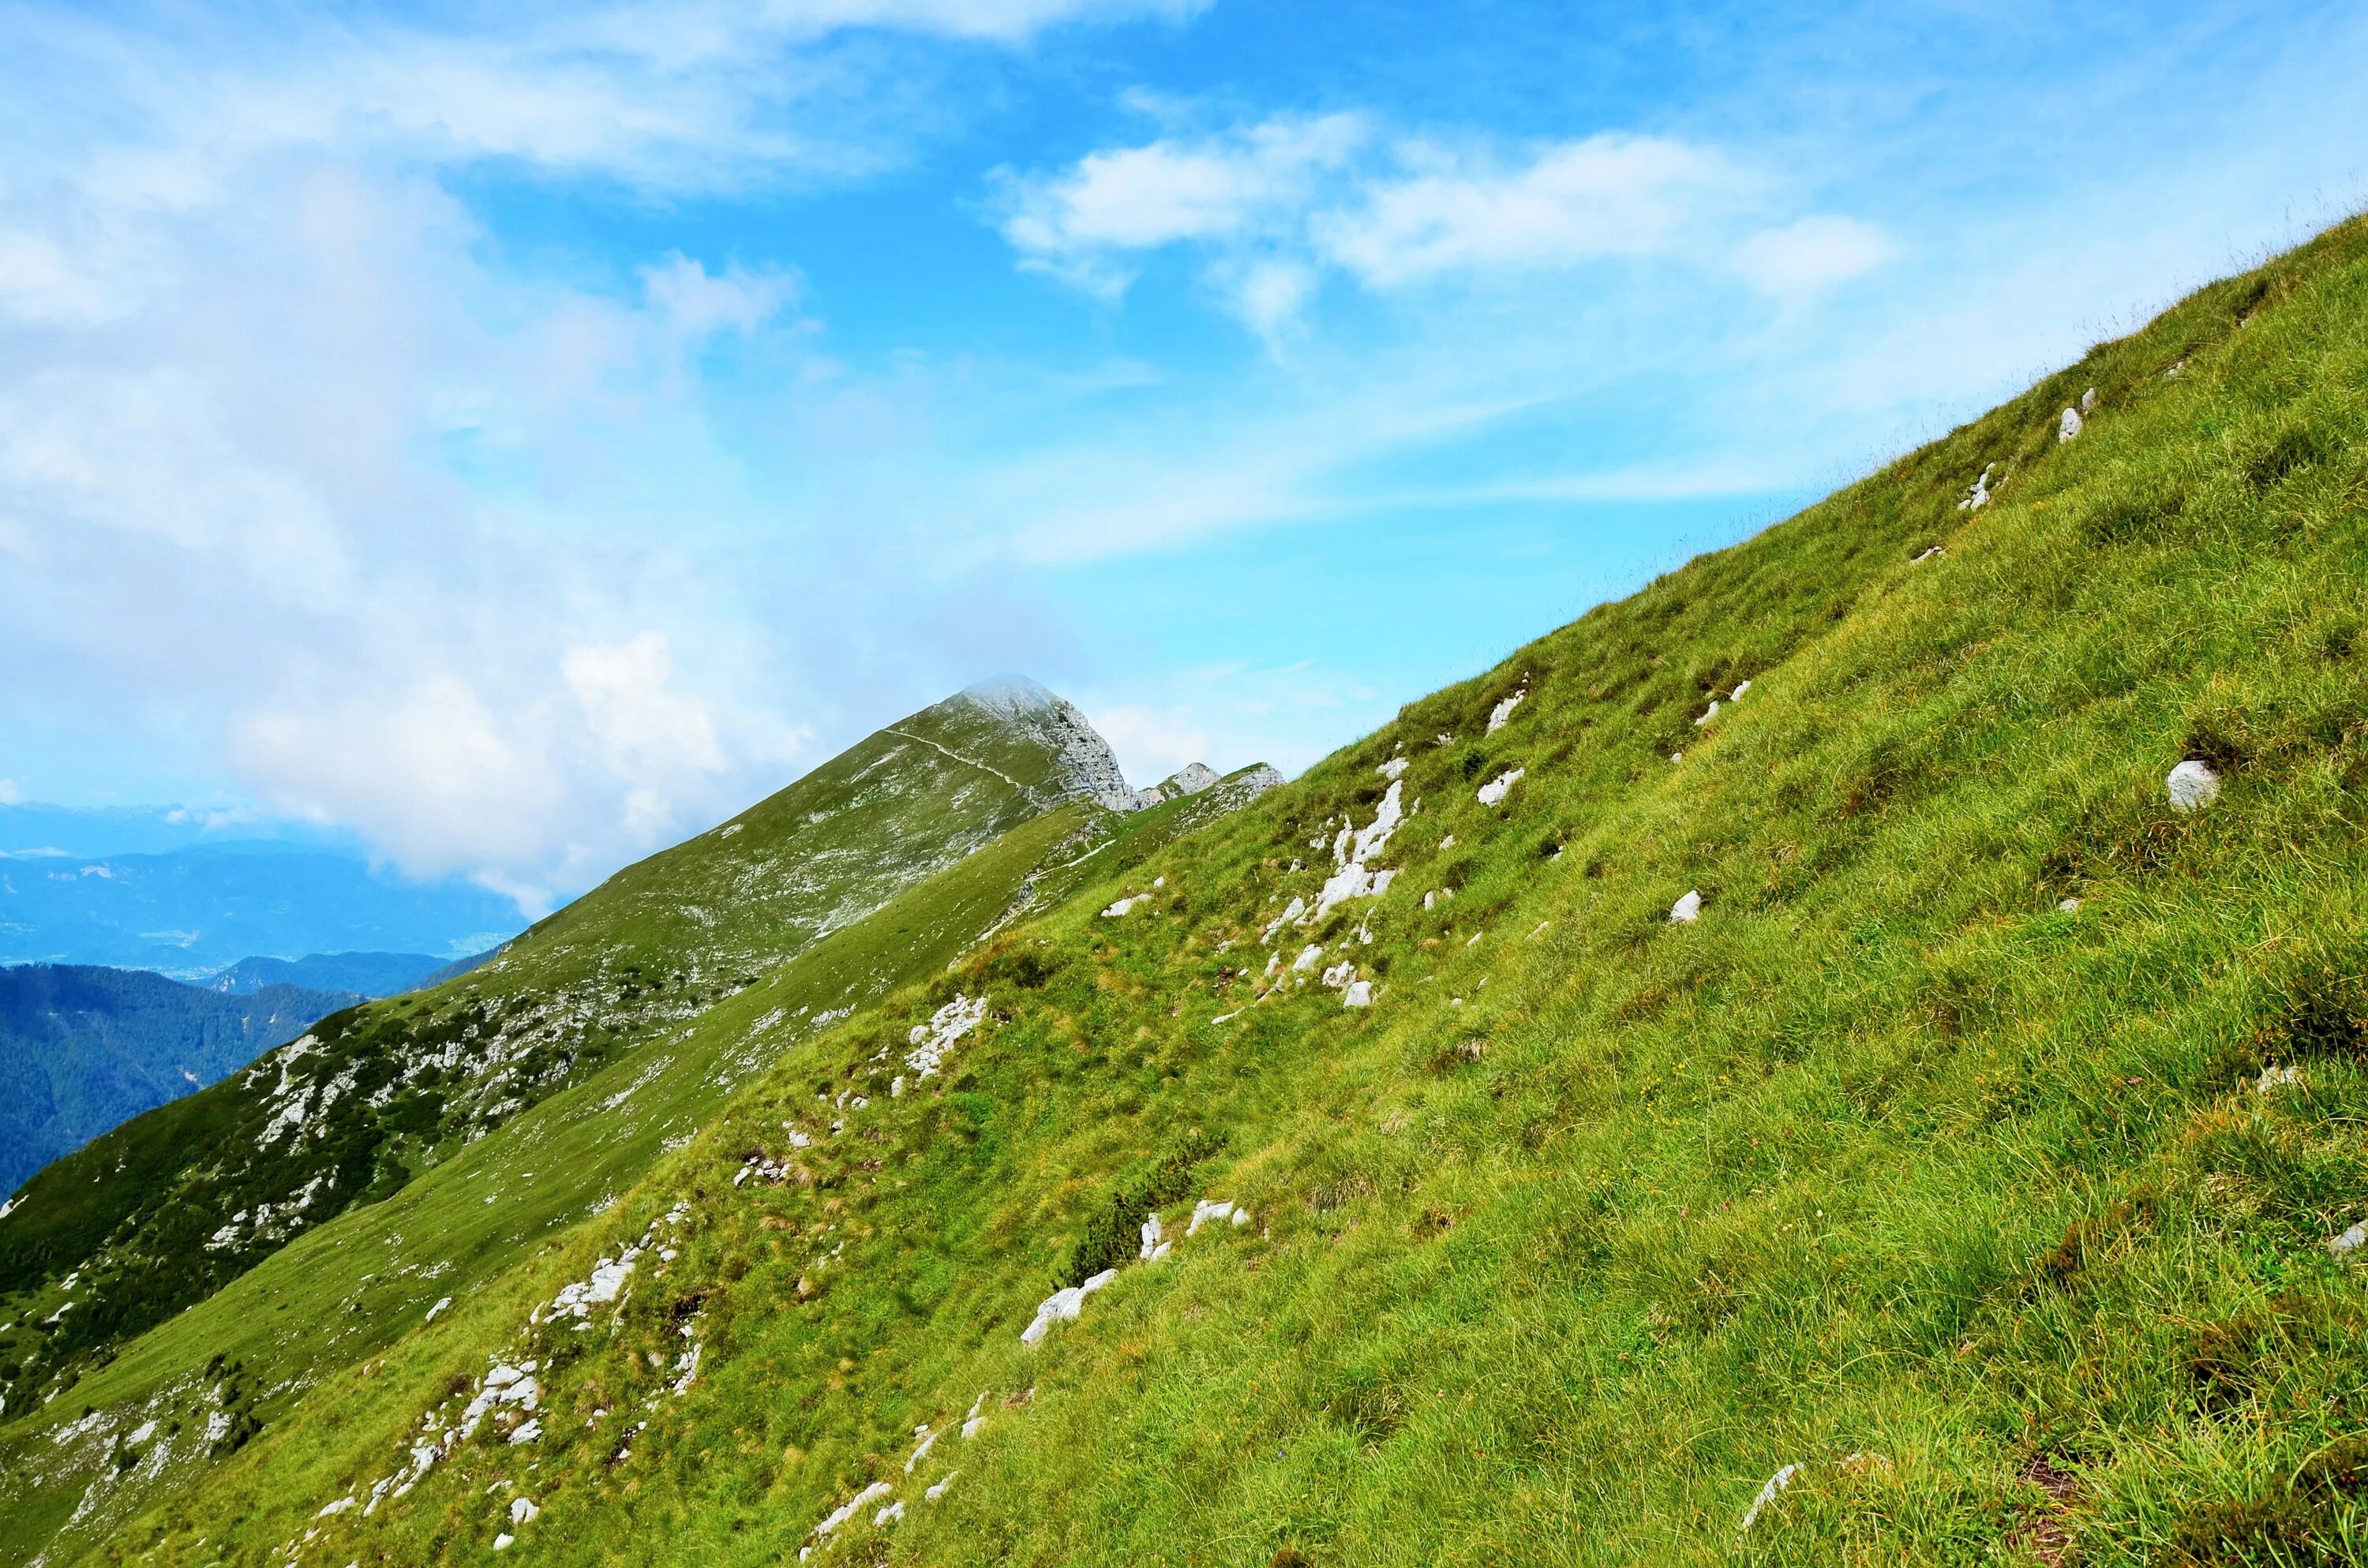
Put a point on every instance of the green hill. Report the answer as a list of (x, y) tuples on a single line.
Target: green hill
[(551, 1076), (1774, 1071)]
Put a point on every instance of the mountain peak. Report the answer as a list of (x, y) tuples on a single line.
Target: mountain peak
[(1013, 693)]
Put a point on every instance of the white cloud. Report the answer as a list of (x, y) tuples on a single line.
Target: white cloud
[(1274, 203), (8, 793), (533, 781), (701, 304), (300, 475), (1581, 200), (1269, 295), (1134, 198), (1811, 254)]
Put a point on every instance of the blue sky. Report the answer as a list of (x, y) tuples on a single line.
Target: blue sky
[(519, 444)]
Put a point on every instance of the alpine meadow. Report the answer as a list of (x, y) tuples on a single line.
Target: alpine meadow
[(1855, 1053)]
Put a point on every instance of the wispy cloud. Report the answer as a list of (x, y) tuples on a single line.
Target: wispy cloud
[(1277, 203)]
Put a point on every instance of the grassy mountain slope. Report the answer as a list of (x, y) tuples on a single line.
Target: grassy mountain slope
[(84, 1048), (341, 1291), (1936, 1160), (166, 1209)]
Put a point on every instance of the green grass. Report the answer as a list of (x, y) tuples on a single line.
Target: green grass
[(1887, 1167)]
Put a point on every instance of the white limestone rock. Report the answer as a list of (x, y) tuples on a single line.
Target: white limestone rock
[(1776, 1482), (2067, 424), (2350, 1241), (1686, 910), (1062, 1305), (1494, 791), (2193, 786), (1504, 711), (853, 1506), (1297, 907), (1979, 497)]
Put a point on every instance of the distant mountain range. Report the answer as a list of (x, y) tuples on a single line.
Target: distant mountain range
[(84, 1049), (365, 974), (192, 910)]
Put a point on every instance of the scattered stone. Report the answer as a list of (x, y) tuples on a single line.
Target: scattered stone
[(1298, 907), (2088, 401), (2272, 1078), (1677, 757), (975, 1420), (947, 1025), (2067, 424), (1979, 497), (1307, 957), (1706, 718), (1151, 1243), (1927, 555), (504, 1541), (1209, 1211), (1357, 994), (1504, 711), (1125, 905), (1686, 910), (2350, 1241), (1352, 851), (523, 1511), (1776, 1482), (934, 1493), (1064, 1304), (2193, 786), (1496, 790), (1393, 769), (854, 1505), (1740, 687), (438, 1307), (889, 1515)]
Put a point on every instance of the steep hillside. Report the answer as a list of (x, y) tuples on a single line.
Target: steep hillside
[(82, 1049), (167, 1211), (1853, 1054), (346, 1286)]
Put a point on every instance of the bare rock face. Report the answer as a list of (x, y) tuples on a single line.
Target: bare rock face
[(1189, 781), (1087, 767)]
